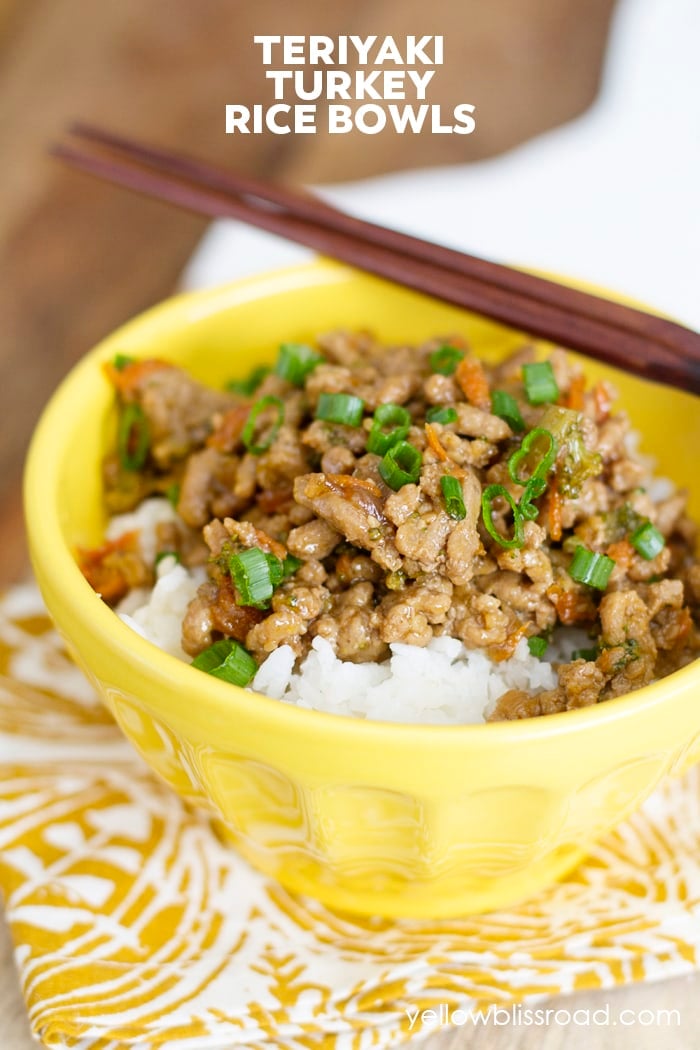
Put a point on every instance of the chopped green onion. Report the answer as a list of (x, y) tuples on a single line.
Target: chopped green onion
[(491, 493), (296, 362), (172, 494), (166, 554), (591, 568), (227, 660), (276, 569), (445, 360), (247, 387), (252, 574), (537, 646), (540, 384), (647, 541), (533, 490), (454, 497), (120, 361), (340, 408), (397, 418), (542, 465), (440, 414), (401, 465), (133, 437), (506, 407), (248, 433), (585, 654), (290, 565)]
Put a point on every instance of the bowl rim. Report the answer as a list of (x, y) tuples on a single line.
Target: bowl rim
[(220, 698)]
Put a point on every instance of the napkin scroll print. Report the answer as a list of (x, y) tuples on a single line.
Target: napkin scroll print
[(135, 926)]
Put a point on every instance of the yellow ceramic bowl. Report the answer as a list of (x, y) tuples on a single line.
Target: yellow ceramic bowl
[(367, 816)]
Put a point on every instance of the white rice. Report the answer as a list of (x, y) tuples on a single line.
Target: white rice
[(145, 520), (157, 614), (441, 683)]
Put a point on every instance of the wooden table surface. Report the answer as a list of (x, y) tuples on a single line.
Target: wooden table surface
[(78, 258)]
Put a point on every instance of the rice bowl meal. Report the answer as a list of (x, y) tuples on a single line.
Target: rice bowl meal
[(379, 813), (403, 533)]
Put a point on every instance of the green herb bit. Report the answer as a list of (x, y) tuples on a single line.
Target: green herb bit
[(227, 660), (537, 645), (401, 465), (453, 496), (630, 653), (120, 361), (295, 362), (590, 568), (441, 414), (166, 554), (290, 565), (340, 408), (395, 581), (488, 496), (621, 521), (172, 494), (247, 387), (506, 407), (647, 541), (540, 384), (585, 654), (398, 421), (133, 437), (248, 433), (445, 360)]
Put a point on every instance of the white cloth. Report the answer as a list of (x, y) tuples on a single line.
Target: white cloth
[(611, 197)]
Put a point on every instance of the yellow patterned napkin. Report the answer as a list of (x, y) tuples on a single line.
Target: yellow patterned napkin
[(135, 927)]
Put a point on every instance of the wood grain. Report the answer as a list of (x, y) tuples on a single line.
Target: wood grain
[(78, 258)]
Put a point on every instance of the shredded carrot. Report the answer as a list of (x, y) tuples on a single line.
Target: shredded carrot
[(603, 399), (575, 396), (362, 492), (102, 569), (622, 553), (128, 378), (554, 513), (505, 650), (684, 622), (473, 383), (572, 606), (349, 483), (228, 432), (434, 442)]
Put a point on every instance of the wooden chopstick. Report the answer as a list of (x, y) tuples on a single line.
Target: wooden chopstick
[(307, 206), (641, 343)]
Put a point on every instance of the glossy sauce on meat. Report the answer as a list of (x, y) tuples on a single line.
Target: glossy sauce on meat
[(380, 562)]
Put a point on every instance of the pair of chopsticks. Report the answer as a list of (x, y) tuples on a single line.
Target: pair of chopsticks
[(630, 339)]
